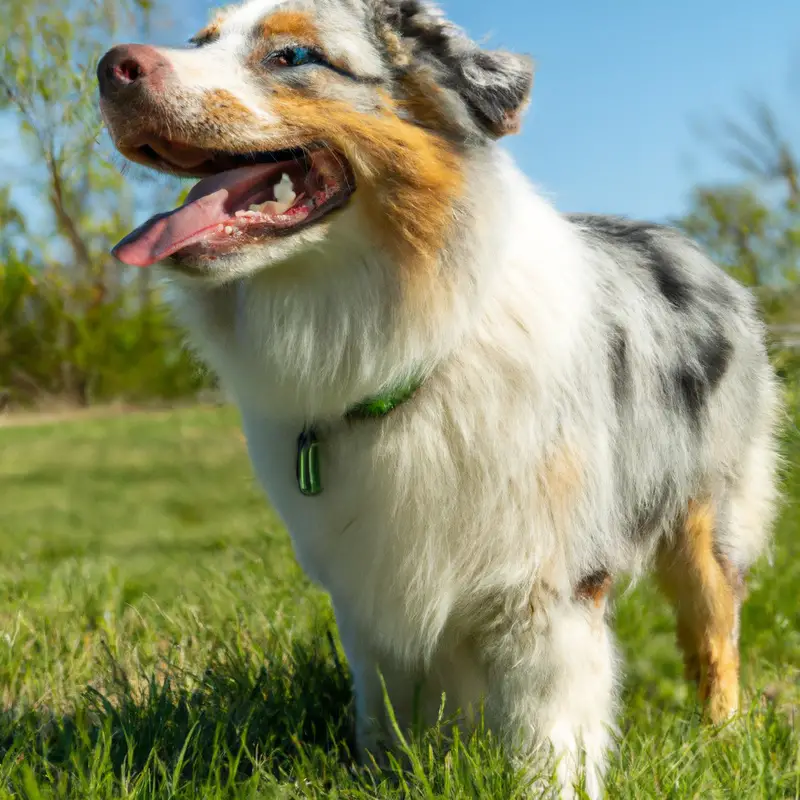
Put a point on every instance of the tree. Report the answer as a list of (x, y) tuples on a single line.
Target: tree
[(58, 280), (762, 151), (752, 227), (756, 242)]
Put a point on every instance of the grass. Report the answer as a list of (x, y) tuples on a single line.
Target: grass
[(157, 640)]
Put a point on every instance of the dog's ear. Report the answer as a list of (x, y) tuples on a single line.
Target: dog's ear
[(494, 84), (497, 87)]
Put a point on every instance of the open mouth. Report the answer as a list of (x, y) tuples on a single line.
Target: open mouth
[(242, 200)]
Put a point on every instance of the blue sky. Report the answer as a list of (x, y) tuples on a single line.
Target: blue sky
[(622, 86)]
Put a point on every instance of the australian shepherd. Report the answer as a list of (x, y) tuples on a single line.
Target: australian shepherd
[(474, 413)]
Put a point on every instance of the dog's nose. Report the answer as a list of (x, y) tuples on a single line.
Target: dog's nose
[(130, 67)]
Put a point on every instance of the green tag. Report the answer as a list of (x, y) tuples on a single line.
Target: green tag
[(308, 472)]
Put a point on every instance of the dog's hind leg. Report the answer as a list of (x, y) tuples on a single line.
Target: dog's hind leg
[(703, 569), (706, 589)]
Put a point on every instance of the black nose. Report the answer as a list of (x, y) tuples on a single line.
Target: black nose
[(129, 67)]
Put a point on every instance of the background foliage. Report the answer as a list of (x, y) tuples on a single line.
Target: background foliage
[(74, 326)]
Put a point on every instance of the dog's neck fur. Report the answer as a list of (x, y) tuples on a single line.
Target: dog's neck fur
[(321, 332)]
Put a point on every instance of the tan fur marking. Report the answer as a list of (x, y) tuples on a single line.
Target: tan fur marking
[(222, 123), (408, 178), (594, 587), (399, 54), (223, 110), (294, 24), (419, 102), (700, 587), (560, 479), (209, 33)]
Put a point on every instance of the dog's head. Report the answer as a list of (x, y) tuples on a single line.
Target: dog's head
[(307, 121)]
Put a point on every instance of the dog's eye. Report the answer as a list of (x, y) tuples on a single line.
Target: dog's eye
[(294, 57)]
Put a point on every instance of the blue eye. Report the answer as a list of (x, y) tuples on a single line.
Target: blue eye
[(294, 57), (300, 55)]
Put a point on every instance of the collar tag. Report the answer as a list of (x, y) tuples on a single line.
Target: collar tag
[(308, 469), (308, 447)]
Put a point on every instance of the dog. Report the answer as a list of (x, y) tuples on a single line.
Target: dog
[(474, 413)]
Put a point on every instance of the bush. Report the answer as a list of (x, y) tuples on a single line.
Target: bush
[(74, 343)]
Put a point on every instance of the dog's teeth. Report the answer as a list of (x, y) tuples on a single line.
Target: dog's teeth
[(274, 209), (240, 214), (269, 207), (228, 230), (284, 192)]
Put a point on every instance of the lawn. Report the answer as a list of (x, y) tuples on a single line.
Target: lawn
[(158, 640)]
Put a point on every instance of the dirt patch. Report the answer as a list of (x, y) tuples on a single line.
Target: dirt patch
[(52, 416)]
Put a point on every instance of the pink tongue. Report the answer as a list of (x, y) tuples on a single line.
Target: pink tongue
[(211, 202)]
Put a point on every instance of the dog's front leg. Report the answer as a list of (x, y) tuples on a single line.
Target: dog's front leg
[(371, 672), (371, 722), (552, 689)]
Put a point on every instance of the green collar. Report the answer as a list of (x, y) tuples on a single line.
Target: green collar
[(308, 445)]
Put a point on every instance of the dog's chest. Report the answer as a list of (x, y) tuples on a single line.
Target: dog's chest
[(385, 537), (357, 510), (317, 523), (413, 517)]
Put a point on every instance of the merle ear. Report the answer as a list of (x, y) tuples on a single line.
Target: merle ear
[(494, 85), (497, 86)]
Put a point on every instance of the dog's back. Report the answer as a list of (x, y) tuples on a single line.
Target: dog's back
[(693, 389)]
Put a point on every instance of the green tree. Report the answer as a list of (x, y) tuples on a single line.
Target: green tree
[(760, 148), (72, 323), (752, 227)]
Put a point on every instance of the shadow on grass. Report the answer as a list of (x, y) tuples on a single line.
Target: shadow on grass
[(285, 728), (218, 727)]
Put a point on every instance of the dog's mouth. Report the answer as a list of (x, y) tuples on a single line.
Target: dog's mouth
[(241, 200)]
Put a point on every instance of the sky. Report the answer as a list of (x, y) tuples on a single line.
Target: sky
[(623, 88)]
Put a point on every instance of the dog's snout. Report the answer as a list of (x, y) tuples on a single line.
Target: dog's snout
[(130, 67)]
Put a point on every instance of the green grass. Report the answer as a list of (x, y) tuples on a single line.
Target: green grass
[(158, 640)]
